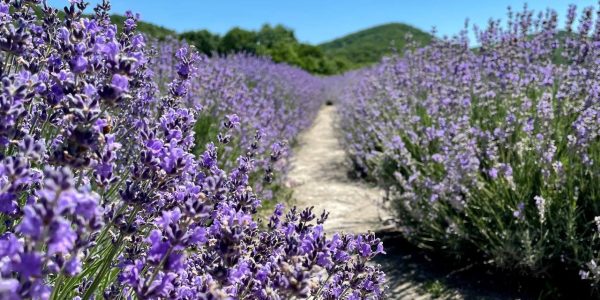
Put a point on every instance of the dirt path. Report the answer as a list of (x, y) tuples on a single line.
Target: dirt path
[(319, 179)]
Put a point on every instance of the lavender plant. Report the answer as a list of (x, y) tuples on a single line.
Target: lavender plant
[(491, 150), (101, 194)]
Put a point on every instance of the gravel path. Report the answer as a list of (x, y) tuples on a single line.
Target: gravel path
[(319, 178)]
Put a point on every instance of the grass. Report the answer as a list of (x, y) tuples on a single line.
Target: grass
[(435, 288)]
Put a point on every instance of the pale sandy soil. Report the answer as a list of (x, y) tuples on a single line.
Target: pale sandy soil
[(319, 178)]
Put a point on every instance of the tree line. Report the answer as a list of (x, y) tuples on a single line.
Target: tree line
[(277, 42)]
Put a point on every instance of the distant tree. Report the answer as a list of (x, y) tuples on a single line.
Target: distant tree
[(203, 40), (306, 50), (310, 57), (238, 40), (282, 52), (277, 42), (270, 37)]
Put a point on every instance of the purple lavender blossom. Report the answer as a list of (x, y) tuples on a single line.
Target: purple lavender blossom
[(106, 191)]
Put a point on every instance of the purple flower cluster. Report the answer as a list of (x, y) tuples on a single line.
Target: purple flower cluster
[(492, 148), (102, 195)]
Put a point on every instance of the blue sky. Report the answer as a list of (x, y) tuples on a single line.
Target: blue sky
[(316, 21)]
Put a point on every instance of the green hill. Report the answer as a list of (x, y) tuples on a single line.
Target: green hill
[(368, 46)]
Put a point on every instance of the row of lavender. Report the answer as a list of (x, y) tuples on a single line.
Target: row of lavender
[(492, 151), (102, 194), (261, 95)]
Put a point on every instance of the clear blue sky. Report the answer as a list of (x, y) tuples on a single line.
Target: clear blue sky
[(316, 21)]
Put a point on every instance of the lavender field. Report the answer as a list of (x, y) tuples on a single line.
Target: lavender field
[(139, 163)]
